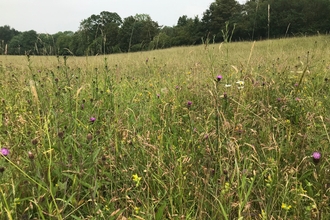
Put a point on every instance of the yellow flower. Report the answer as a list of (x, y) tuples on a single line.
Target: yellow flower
[(136, 210), (286, 207), (136, 179)]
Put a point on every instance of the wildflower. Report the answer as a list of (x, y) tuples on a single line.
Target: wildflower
[(92, 119), (240, 84), (158, 95), (31, 155), (136, 210), (60, 134), (189, 103), (286, 206), (316, 157), (136, 179), (219, 77), (227, 85), (4, 151), (89, 136), (34, 141)]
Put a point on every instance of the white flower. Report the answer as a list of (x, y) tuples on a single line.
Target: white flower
[(240, 83), (227, 85)]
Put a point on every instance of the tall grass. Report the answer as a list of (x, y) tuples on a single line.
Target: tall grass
[(225, 131)]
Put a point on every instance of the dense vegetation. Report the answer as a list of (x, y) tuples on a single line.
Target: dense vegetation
[(224, 20), (223, 131)]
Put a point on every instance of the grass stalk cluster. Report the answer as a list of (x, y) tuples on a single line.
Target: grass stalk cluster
[(226, 131)]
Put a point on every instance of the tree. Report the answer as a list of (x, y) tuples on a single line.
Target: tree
[(24, 43), (63, 42), (100, 32), (6, 34), (220, 12), (188, 31), (137, 32)]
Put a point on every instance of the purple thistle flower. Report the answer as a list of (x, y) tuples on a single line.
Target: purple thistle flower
[(219, 77), (316, 156), (4, 151), (189, 103), (158, 95), (92, 119)]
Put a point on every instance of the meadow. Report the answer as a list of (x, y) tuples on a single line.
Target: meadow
[(219, 131)]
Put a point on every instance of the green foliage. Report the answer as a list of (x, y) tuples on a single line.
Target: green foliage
[(137, 33), (220, 12), (6, 34), (108, 33)]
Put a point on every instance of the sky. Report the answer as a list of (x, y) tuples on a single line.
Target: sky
[(52, 16)]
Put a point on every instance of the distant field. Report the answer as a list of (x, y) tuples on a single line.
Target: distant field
[(223, 131)]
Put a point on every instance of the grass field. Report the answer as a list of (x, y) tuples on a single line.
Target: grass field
[(227, 131)]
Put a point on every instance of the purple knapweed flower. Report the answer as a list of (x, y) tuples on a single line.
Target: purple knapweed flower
[(189, 103), (158, 95), (4, 151), (316, 156), (219, 77), (92, 119)]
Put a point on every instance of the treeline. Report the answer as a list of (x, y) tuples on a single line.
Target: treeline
[(224, 20)]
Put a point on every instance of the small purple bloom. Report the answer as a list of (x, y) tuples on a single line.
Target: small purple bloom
[(158, 95), (219, 77), (4, 151), (296, 84), (92, 119), (189, 103), (316, 156)]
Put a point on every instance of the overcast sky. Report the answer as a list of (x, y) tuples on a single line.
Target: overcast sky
[(52, 16)]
